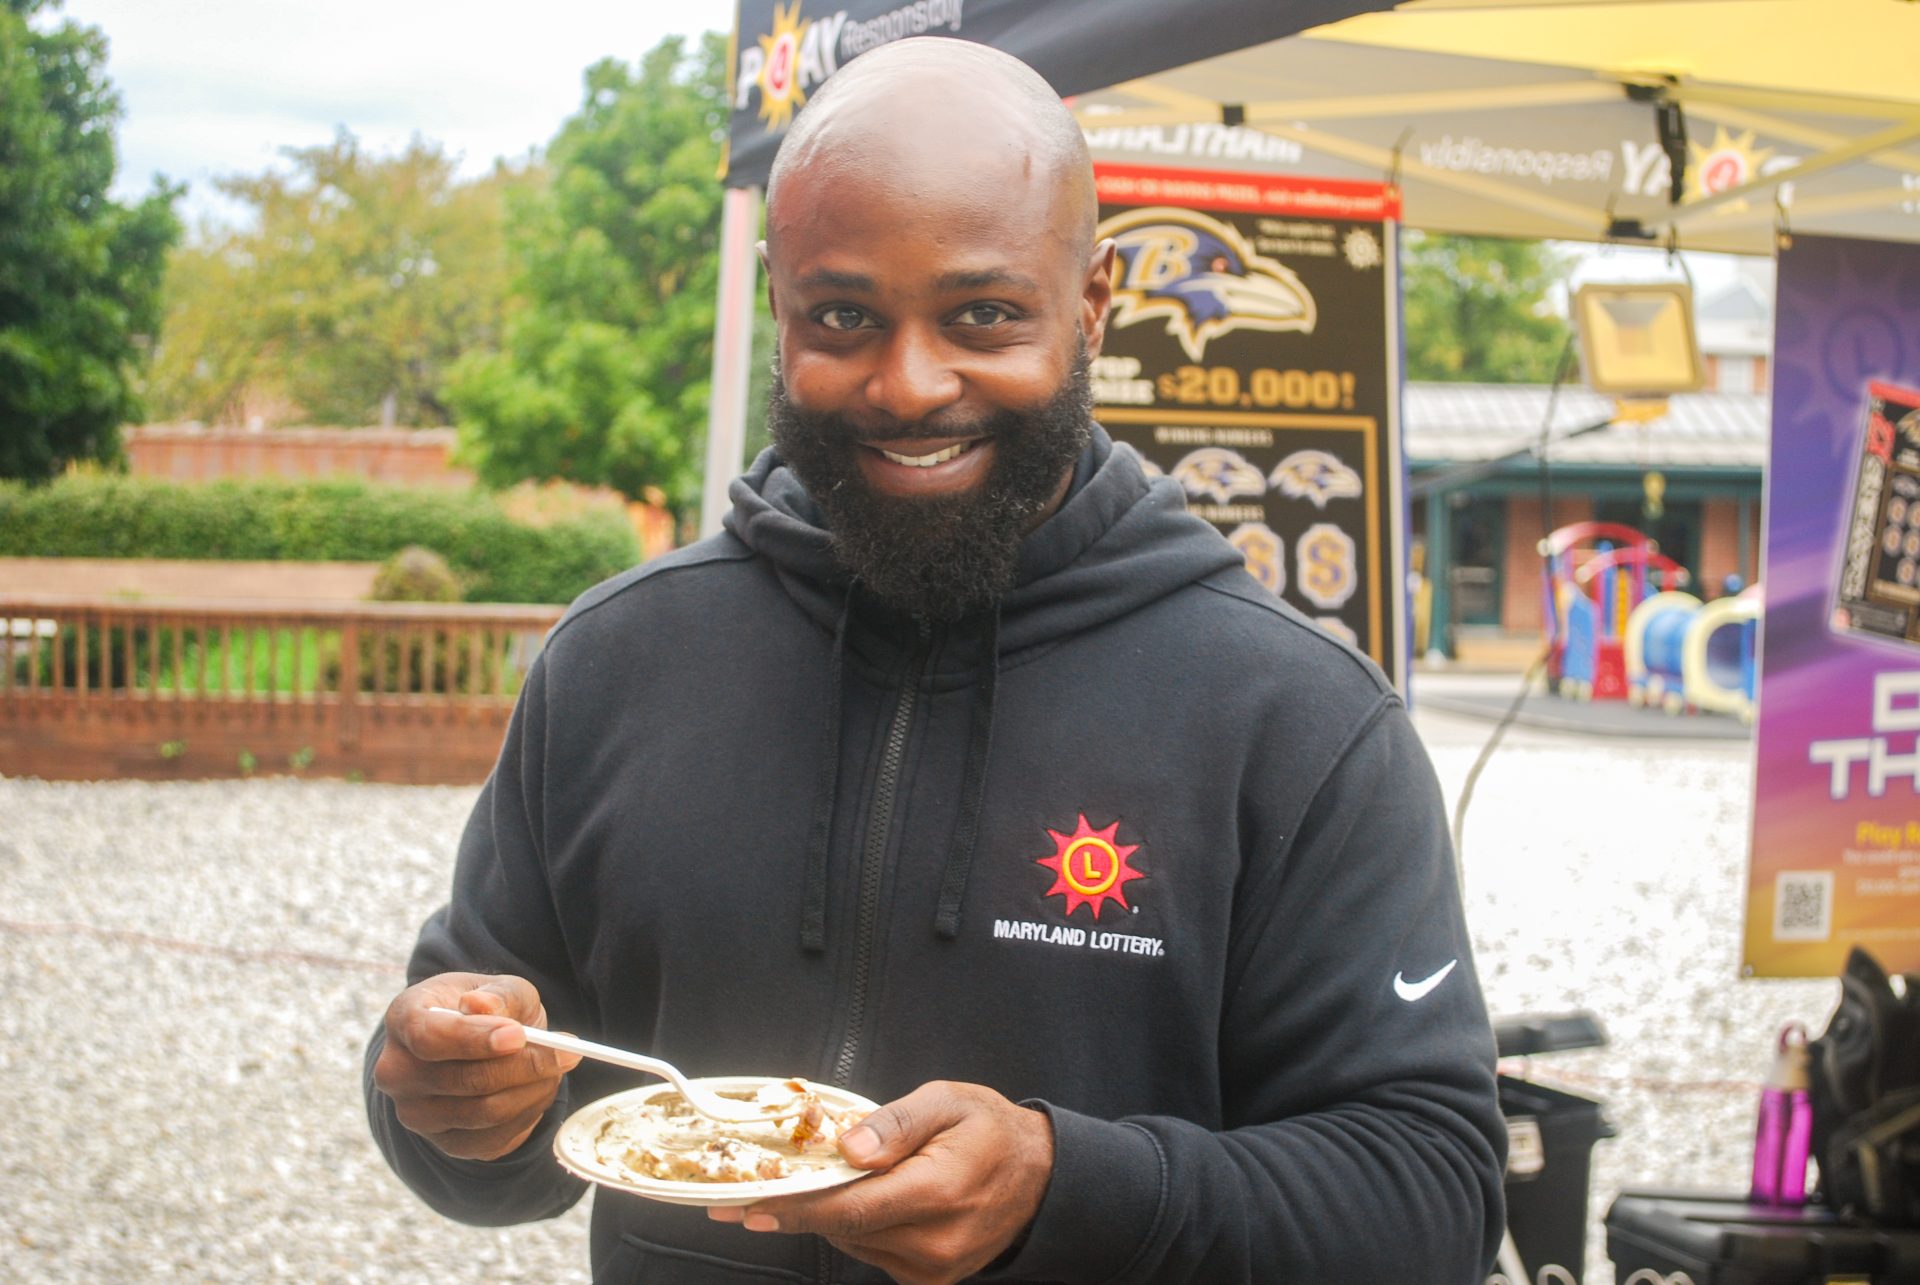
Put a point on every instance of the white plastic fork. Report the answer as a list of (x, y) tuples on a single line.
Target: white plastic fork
[(711, 1105)]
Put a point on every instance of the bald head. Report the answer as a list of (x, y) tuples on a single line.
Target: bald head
[(932, 110), (937, 296)]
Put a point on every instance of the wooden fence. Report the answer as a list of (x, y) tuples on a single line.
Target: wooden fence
[(94, 688)]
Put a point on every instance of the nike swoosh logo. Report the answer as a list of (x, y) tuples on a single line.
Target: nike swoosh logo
[(1411, 991)]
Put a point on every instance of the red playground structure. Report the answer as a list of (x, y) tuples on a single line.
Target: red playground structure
[(1596, 573)]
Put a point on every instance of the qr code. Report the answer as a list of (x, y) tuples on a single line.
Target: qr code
[(1803, 905)]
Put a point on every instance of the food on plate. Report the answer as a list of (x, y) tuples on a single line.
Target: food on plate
[(661, 1137)]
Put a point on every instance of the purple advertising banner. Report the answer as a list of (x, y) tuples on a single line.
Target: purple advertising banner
[(1835, 856)]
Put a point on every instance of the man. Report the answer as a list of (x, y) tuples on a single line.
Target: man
[(969, 771)]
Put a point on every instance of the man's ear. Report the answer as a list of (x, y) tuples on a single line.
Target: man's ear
[(773, 304), (1096, 297)]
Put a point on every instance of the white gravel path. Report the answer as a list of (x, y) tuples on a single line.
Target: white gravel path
[(190, 971), (1612, 877), (179, 1115)]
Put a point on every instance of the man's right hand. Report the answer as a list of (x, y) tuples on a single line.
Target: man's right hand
[(469, 1082)]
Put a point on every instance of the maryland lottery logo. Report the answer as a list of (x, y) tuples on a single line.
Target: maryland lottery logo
[(788, 61), (1090, 866), (785, 63), (1731, 161), (1202, 277)]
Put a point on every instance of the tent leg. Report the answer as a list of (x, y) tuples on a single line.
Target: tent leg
[(732, 351)]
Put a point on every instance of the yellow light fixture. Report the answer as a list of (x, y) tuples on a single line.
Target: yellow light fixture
[(1637, 339)]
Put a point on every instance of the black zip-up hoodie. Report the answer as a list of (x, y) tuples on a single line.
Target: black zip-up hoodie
[(750, 821)]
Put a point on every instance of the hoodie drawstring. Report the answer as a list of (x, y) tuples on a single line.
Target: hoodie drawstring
[(953, 883), (973, 784), (813, 909)]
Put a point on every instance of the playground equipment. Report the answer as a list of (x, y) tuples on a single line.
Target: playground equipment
[(1597, 573), (1683, 655)]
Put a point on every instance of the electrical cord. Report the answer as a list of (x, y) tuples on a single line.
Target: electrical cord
[(1562, 368)]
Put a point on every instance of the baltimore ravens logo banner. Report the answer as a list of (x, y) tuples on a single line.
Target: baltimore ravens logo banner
[(1252, 357)]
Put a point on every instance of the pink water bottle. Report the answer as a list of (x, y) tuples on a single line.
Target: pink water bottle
[(1785, 1130)]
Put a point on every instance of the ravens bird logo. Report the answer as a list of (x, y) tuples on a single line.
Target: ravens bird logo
[(1218, 474), (1202, 276), (1316, 476)]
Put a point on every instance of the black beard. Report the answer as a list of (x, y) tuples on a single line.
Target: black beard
[(942, 557)]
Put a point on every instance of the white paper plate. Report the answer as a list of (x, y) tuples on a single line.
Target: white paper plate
[(574, 1148)]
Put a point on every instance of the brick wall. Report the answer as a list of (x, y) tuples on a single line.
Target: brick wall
[(1520, 588), (1720, 544), (396, 456)]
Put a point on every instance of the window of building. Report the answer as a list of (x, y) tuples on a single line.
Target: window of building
[(1677, 530), (1479, 557), (1737, 375)]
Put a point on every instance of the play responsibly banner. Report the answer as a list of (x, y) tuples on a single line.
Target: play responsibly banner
[(1835, 859), (1251, 357), (784, 49)]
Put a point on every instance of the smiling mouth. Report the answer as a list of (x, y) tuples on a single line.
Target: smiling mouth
[(929, 460)]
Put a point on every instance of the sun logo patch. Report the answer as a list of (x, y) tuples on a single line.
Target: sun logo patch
[(1317, 476), (779, 73), (1090, 866), (1200, 275), (1731, 161)]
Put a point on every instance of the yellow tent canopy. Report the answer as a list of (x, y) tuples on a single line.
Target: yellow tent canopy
[(1565, 118)]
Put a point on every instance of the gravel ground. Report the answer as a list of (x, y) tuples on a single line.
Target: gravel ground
[(191, 969), (1611, 876)]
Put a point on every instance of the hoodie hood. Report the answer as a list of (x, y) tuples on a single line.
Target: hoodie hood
[(1118, 542)]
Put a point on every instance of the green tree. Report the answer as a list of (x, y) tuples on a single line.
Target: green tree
[(1476, 309), (345, 295), (603, 378), (79, 273)]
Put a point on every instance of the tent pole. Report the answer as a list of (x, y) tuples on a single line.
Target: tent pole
[(732, 351)]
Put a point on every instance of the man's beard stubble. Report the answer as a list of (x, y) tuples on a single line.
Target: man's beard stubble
[(940, 557)]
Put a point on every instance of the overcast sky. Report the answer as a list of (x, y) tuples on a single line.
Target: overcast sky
[(218, 87)]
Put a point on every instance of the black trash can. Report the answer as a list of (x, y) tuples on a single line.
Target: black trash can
[(1723, 1240), (1550, 1137)]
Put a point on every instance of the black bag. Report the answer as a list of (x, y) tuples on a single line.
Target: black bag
[(1864, 1082)]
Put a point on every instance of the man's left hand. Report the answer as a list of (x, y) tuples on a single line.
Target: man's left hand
[(964, 1173)]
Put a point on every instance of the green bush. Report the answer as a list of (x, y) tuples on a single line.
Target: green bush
[(496, 558), (416, 575)]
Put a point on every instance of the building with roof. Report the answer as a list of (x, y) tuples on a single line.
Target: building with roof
[(1691, 478)]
